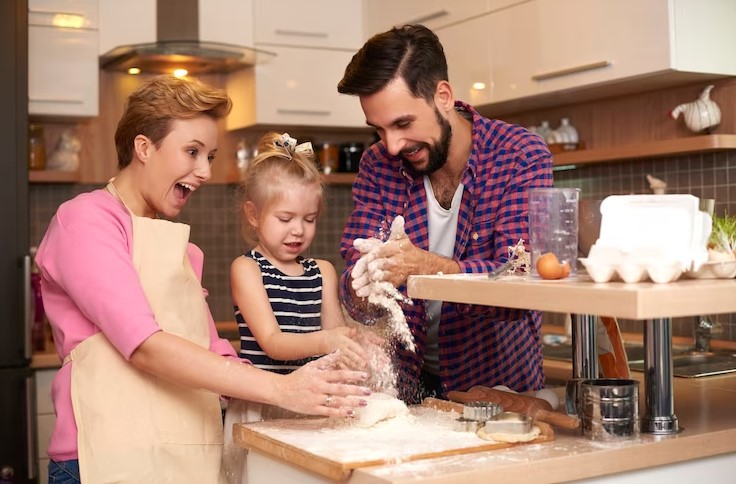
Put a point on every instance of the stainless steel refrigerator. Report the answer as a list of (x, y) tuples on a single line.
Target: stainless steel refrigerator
[(17, 436)]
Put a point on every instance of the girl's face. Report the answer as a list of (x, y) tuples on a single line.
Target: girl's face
[(179, 166), (286, 227)]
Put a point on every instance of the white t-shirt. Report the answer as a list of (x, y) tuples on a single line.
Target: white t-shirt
[(442, 226)]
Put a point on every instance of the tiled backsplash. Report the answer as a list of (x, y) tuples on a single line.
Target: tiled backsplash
[(215, 223)]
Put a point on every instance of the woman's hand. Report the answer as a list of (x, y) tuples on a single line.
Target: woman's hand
[(318, 388)]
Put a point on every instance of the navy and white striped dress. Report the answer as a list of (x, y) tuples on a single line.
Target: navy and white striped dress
[(297, 304)]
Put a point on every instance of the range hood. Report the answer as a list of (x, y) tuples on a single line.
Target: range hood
[(178, 46)]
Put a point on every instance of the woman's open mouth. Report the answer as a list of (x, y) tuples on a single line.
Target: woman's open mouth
[(183, 190)]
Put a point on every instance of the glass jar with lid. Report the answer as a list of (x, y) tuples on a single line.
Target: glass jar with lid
[(36, 147)]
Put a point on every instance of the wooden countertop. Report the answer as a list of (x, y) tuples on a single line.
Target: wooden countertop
[(581, 295), (705, 408)]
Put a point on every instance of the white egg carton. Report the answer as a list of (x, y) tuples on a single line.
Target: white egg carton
[(655, 237)]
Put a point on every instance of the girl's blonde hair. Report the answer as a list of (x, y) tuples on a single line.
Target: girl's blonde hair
[(263, 180)]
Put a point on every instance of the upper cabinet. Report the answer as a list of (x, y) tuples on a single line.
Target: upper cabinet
[(298, 86), (381, 15), (62, 58), (469, 55), (125, 23), (316, 23), (574, 46)]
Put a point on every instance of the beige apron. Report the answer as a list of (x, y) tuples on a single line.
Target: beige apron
[(133, 427)]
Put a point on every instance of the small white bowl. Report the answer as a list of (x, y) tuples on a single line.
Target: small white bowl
[(631, 273), (598, 271)]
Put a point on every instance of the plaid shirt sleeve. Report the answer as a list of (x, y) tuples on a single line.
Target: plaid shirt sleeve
[(379, 193)]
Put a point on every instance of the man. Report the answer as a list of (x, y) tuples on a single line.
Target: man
[(460, 181)]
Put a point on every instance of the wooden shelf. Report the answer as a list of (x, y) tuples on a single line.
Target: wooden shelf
[(340, 179), (51, 176), (651, 149)]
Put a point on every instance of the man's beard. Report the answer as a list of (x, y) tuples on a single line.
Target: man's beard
[(437, 152)]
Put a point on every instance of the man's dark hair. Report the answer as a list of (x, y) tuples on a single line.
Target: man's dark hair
[(412, 52)]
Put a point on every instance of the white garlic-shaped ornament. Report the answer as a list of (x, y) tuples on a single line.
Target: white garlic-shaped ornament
[(703, 114)]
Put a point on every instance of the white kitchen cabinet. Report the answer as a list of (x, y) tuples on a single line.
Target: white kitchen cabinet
[(296, 87), (63, 72), (552, 46), (45, 419), (317, 23), (469, 53), (381, 15), (126, 23)]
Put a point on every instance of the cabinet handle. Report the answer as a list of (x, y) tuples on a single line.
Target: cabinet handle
[(48, 18), (56, 101), (27, 312), (428, 16), (53, 12), (31, 427), (307, 112), (301, 33), (571, 70)]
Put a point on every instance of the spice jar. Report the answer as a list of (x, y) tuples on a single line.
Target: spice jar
[(36, 148), (329, 157)]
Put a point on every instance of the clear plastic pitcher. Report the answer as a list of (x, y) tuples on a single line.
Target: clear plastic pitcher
[(553, 225)]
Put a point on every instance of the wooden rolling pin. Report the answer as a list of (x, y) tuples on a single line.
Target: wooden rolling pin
[(534, 407), (443, 405)]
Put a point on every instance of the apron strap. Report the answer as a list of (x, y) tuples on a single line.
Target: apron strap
[(114, 191)]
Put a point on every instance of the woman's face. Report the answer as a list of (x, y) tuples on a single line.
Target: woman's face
[(287, 226), (179, 166)]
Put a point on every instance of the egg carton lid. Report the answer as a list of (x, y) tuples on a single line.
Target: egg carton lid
[(665, 228)]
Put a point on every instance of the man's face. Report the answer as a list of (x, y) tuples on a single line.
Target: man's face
[(409, 127)]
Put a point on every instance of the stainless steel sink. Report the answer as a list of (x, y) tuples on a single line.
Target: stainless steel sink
[(685, 362), (693, 364)]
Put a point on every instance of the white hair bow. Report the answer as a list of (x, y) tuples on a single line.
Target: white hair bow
[(289, 146)]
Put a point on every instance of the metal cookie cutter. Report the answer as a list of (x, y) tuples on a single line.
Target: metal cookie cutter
[(476, 414)]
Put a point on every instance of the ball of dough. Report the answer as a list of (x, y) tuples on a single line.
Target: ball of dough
[(549, 395), (381, 406)]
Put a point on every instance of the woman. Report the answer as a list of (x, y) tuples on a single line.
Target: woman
[(137, 397)]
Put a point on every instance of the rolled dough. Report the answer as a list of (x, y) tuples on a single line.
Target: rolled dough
[(380, 407), (509, 437)]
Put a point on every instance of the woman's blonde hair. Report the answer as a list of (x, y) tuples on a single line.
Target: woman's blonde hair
[(152, 107), (263, 180)]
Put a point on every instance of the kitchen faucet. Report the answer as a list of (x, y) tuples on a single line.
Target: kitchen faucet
[(705, 329)]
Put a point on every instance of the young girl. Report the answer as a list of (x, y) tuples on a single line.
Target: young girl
[(286, 305)]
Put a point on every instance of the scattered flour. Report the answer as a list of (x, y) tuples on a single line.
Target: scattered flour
[(383, 294)]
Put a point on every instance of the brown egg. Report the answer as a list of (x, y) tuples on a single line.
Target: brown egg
[(549, 267)]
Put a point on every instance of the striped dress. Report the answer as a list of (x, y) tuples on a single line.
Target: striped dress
[(296, 302)]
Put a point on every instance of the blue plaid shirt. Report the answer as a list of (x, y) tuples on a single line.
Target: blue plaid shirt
[(478, 345)]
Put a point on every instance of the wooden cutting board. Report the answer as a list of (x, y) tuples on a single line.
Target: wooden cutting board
[(334, 448)]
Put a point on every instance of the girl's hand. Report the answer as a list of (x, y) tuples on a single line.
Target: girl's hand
[(342, 341), (318, 388)]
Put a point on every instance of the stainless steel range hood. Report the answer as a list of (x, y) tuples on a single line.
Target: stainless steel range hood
[(178, 46)]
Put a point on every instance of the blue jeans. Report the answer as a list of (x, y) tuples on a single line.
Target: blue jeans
[(64, 472)]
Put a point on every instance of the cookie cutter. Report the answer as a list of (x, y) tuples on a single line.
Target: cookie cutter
[(481, 411)]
